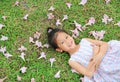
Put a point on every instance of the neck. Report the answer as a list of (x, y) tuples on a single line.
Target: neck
[(71, 51)]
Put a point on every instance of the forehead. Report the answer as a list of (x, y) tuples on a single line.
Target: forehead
[(60, 36)]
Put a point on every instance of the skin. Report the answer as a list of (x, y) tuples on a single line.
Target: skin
[(66, 43)]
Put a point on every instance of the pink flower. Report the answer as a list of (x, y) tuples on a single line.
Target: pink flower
[(57, 75), (50, 16), (38, 44), (22, 56), (1, 80), (37, 35), (106, 19), (4, 17), (75, 33), (33, 80), (58, 22), (16, 3), (1, 26), (98, 35), (91, 21), (46, 45), (22, 48), (65, 17), (69, 5), (78, 26), (3, 49), (26, 17), (51, 8), (7, 55), (31, 40), (107, 1), (83, 2), (23, 69), (52, 60), (4, 38), (74, 71), (18, 78), (118, 24), (43, 55)]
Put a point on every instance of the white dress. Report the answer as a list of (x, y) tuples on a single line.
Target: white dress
[(109, 69)]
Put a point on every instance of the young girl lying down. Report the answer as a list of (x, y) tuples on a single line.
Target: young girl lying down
[(98, 61)]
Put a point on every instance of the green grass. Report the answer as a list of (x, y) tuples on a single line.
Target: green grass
[(19, 31)]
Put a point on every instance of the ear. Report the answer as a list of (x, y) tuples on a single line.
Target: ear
[(59, 50)]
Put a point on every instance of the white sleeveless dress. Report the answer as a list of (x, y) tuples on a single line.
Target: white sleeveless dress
[(109, 69)]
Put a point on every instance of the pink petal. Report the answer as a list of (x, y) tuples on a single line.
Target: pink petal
[(75, 32), (38, 44), (3, 49), (26, 17), (46, 45), (33, 80), (43, 55), (23, 69), (2, 80), (65, 17), (52, 60), (4, 17), (4, 38), (31, 40), (22, 56), (50, 16), (118, 24), (58, 22), (107, 1), (51, 8), (7, 55), (69, 5), (16, 3), (78, 26), (22, 48), (83, 2), (91, 21), (37, 35), (1, 26), (57, 75), (18, 78)]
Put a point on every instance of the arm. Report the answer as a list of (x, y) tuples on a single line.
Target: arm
[(81, 69), (103, 46)]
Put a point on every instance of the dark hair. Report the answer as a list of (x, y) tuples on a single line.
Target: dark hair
[(51, 32)]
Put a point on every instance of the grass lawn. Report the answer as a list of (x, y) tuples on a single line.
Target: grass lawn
[(18, 32)]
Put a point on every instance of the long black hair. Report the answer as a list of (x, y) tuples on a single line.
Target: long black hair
[(52, 32)]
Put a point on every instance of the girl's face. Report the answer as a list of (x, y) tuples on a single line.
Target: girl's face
[(64, 41)]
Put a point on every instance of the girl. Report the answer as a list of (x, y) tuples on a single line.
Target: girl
[(98, 61)]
